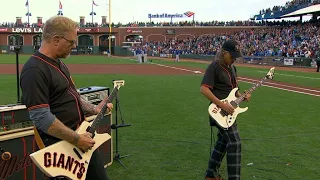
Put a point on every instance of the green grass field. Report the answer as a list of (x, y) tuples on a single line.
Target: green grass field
[(170, 138), (298, 78)]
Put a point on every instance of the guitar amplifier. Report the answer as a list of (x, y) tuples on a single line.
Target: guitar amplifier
[(14, 117), (94, 94)]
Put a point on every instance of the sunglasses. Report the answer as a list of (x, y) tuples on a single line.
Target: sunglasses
[(72, 42)]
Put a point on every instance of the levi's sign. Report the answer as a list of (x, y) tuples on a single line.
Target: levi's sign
[(39, 30), (27, 30)]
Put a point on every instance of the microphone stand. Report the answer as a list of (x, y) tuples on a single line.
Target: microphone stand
[(117, 154), (17, 49)]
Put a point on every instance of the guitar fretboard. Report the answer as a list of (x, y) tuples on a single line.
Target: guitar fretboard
[(100, 115), (249, 91)]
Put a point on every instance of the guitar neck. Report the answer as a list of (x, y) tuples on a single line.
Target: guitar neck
[(100, 115), (249, 91)]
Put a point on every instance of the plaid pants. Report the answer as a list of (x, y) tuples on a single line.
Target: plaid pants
[(228, 142)]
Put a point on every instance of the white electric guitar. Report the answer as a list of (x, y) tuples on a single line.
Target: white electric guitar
[(64, 159), (225, 120)]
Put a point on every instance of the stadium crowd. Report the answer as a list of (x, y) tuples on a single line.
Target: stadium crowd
[(150, 24), (163, 24), (289, 5), (302, 40)]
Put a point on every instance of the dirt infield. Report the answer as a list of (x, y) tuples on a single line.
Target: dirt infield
[(139, 69), (157, 69)]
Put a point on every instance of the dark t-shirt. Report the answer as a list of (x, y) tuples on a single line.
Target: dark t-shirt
[(47, 83), (220, 80)]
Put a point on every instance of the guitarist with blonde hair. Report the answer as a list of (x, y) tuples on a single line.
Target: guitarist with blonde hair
[(50, 95), (218, 81)]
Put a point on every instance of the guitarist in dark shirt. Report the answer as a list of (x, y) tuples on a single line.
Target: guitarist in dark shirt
[(217, 83), (49, 93)]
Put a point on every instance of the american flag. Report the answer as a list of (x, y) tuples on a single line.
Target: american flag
[(60, 5), (189, 13)]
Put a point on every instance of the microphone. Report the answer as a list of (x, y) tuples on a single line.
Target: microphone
[(113, 126)]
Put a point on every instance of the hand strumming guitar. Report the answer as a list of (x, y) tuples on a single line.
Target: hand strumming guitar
[(226, 107), (85, 141)]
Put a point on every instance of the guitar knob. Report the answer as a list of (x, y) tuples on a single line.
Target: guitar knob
[(6, 156)]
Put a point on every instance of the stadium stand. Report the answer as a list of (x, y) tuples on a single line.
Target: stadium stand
[(277, 11), (289, 40)]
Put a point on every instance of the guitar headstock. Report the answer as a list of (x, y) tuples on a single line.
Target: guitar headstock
[(118, 83), (270, 74)]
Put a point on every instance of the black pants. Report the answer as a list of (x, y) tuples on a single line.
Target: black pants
[(318, 67), (96, 169), (228, 143)]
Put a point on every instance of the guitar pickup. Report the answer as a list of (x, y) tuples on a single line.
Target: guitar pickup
[(234, 104), (77, 153)]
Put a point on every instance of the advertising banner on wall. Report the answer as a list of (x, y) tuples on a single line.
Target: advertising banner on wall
[(288, 62)]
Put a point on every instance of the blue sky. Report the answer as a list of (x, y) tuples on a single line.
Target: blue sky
[(128, 10)]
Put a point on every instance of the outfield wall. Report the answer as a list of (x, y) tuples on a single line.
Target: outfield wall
[(270, 60)]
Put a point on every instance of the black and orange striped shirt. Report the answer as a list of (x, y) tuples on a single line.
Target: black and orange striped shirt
[(219, 79), (46, 82)]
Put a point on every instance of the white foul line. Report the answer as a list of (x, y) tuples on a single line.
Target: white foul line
[(306, 77), (282, 88), (312, 90), (198, 72)]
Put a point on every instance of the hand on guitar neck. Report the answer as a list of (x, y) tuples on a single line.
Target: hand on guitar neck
[(229, 108), (246, 97)]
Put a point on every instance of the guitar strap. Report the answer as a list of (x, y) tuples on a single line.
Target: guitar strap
[(234, 73), (38, 138)]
